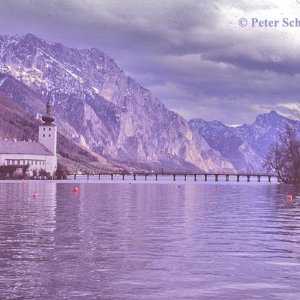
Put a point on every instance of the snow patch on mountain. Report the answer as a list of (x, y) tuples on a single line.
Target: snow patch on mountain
[(98, 105)]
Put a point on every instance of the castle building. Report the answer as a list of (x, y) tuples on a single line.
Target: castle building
[(39, 155)]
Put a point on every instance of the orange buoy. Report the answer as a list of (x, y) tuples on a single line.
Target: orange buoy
[(34, 195), (289, 198), (75, 189)]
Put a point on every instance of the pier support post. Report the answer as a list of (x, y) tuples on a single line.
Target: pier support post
[(195, 177), (248, 178), (269, 178), (184, 177), (74, 176), (99, 177), (134, 176), (238, 178), (227, 177), (156, 175), (174, 177), (145, 176), (88, 176), (216, 177), (123, 176), (205, 177), (111, 176), (258, 178)]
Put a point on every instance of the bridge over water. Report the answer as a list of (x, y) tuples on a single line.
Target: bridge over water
[(182, 176)]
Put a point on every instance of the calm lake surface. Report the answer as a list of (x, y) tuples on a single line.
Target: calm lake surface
[(149, 241)]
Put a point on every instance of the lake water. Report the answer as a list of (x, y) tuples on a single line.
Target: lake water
[(127, 240)]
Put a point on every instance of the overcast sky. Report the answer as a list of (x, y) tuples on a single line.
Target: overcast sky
[(192, 54)]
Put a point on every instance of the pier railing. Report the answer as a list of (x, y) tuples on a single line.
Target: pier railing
[(175, 176)]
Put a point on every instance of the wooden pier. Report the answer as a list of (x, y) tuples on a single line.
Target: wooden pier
[(174, 176)]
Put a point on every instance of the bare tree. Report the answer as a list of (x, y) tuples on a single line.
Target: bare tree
[(295, 112), (283, 157)]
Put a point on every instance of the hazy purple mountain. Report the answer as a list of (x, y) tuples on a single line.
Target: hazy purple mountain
[(100, 107), (245, 146), (264, 130)]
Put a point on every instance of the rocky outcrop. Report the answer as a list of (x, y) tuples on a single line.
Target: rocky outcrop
[(98, 106)]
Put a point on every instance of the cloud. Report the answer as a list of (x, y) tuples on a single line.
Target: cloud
[(191, 54)]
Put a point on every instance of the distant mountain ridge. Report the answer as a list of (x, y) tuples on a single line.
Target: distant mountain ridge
[(101, 108), (246, 145)]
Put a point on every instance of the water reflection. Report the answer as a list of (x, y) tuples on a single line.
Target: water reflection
[(26, 235), (149, 241)]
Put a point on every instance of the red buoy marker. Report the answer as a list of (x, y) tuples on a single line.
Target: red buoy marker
[(289, 198), (34, 195), (75, 189)]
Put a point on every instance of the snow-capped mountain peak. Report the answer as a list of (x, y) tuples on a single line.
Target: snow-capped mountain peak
[(98, 105)]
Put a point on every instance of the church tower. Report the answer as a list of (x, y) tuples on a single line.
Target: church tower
[(48, 130)]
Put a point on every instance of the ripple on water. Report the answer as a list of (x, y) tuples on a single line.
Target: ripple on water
[(149, 241)]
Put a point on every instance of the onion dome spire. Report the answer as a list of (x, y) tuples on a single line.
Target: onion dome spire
[(48, 118)]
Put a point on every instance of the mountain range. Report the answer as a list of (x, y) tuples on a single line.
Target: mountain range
[(247, 145), (112, 117)]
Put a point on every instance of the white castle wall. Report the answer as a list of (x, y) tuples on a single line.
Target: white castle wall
[(36, 162)]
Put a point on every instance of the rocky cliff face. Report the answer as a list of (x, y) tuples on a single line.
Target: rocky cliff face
[(245, 146), (100, 107), (16, 124)]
